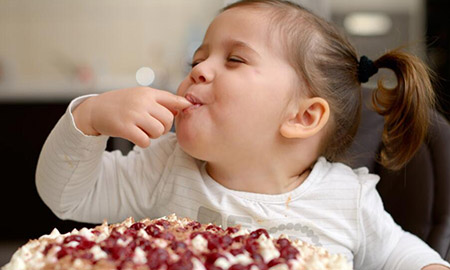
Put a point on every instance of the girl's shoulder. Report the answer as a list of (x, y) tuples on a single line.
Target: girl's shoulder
[(337, 172)]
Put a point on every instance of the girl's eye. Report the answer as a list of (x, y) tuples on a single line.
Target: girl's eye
[(194, 63), (236, 59)]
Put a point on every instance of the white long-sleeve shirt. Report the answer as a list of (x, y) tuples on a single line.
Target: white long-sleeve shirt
[(335, 207)]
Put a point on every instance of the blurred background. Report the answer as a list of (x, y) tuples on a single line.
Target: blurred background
[(54, 50)]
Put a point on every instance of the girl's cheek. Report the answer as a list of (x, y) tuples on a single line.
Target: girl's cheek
[(183, 86)]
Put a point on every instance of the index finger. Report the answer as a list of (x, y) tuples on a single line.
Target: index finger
[(171, 101)]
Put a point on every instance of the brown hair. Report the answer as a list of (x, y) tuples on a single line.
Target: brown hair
[(327, 64)]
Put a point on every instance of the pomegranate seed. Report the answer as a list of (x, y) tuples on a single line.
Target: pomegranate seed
[(257, 257), (130, 233), (181, 265), (237, 267), (175, 245), (260, 265), (86, 256), (118, 252), (166, 236), (212, 267), (275, 262), (239, 239), (212, 257), (47, 248), (115, 234), (163, 223), (251, 245), (237, 251), (213, 242), (137, 226), (75, 238), (283, 242), (144, 244), (289, 253), (214, 227), (153, 230), (86, 244), (194, 234), (225, 241), (231, 230), (187, 255), (256, 234), (157, 257), (64, 252), (195, 225)]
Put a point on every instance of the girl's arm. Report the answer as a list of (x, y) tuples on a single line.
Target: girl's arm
[(382, 243), (79, 180)]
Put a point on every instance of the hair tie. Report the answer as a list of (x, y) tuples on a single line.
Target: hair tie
[(366, 68)]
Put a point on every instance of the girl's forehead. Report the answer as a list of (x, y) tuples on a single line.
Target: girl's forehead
[(251, 26)]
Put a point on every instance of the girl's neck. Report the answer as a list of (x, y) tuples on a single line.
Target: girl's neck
[(264, 178)]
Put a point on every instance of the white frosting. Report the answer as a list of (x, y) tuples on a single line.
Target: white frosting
[(87, 234), (281, 266), (104, 233), (267, 248), (225, 263), (78, 263), (142, 233), (139, 256), (222, 263), (53, 235), (98, 253), (200, 243), (121, 229), (124, 243), (243, 259), (72, 244), (198, 265), (241, 231), (161, 243)]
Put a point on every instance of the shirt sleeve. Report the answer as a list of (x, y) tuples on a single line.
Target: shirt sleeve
[(79, 180), (382, 243)]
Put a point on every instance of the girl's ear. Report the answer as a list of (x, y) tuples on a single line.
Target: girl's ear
[(311, 116)]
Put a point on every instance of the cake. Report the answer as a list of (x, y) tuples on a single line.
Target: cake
[(171, 243)]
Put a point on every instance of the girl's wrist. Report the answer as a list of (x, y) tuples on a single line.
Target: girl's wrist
[(82, 117)]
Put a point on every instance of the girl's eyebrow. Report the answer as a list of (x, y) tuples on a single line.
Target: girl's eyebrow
[(234, 43), (201, 48), (230, 43)]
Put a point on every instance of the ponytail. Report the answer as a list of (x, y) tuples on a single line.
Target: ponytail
[(406, 108)]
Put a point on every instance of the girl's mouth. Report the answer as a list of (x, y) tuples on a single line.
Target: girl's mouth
[(196, 103)]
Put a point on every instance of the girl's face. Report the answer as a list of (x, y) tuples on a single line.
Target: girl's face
[(241, 84)]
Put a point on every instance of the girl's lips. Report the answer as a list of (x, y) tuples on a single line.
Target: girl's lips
[(190, 108), (196, 102), (193, 99)]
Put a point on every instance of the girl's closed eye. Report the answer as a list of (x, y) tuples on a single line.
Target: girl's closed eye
[(194, 63), (236, 59)]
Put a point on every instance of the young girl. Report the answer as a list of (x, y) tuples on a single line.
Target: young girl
[(269, 107)]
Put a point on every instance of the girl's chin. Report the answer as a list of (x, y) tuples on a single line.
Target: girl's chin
[(191, 146)]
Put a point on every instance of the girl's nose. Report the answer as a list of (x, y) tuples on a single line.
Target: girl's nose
[(201, 73)]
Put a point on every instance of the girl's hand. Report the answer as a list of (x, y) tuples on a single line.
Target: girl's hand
[(136, 114)]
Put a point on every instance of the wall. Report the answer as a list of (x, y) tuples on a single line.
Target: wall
[(48, 46)]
